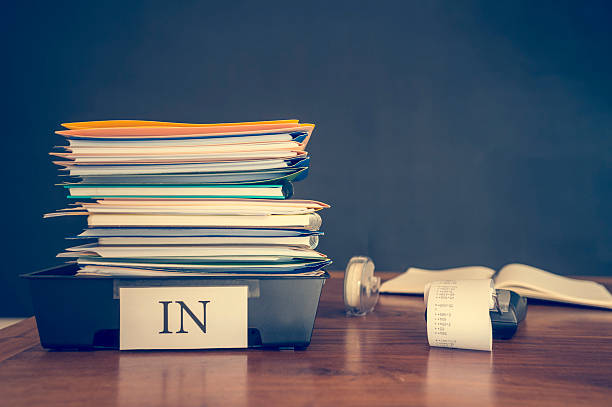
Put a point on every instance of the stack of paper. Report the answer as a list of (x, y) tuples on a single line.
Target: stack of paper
[(174, 198)]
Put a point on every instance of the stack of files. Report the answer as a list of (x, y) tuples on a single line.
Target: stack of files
[(175, 198)]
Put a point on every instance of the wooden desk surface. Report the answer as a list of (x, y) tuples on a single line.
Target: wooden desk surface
[(561, 355)]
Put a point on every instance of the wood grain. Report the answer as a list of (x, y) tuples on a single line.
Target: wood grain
[(17, 338), (562, 355)]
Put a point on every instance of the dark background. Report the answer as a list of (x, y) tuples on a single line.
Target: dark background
[(448, 133)]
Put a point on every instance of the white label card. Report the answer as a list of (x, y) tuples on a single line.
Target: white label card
[(183, 317)]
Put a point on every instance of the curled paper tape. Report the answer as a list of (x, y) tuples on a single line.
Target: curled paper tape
[(360, 286), (458, 314)]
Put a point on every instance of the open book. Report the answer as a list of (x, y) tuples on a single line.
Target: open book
[(522, 279)]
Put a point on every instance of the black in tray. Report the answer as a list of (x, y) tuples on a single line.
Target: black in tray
[(83, 312)]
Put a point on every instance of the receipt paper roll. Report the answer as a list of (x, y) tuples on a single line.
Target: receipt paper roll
[(458, 314)]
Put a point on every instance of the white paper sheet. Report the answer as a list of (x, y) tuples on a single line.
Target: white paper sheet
[(458, 314)]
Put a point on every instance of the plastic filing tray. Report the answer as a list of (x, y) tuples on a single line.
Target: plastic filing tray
[(83, 312)]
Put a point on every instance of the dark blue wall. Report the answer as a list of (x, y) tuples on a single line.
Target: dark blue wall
[(447, 134)]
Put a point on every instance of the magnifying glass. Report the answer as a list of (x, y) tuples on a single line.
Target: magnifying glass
[(360, 286)]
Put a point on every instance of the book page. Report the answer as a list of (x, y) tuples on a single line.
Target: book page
[(310, 221), (179, 159), (173, 149), (182, 231), (194, 251), (188, 265), (126, 271), (299, 241), (177, 142), (209, 202), (536, 283), (413, 281), (250, 165)]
